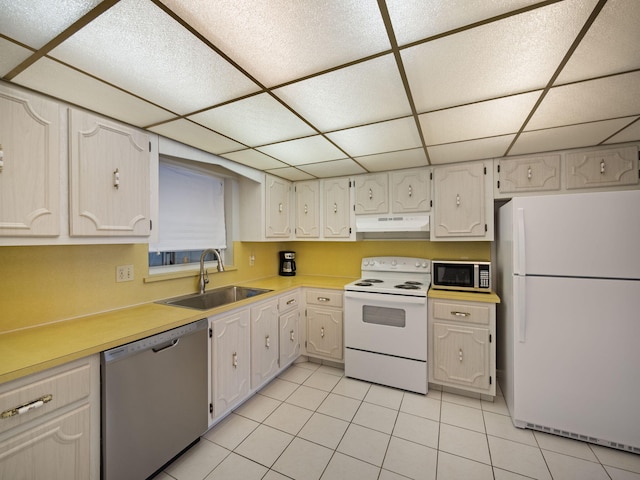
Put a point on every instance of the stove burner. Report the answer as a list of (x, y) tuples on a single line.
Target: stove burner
[(371, 280), (364, 284), (412, 282), (408, 286)]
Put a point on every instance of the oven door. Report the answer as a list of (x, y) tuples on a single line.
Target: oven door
[(385, 323)]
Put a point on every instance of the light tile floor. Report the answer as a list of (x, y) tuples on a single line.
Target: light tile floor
[(313, 423)]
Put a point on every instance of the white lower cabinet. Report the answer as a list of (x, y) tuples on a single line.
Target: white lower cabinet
[(231, 360), (289, 324), (56, 435), (324, 324), (264, 342), (462, 351)]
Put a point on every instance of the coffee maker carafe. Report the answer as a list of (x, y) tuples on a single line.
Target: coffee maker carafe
[(287, 264)]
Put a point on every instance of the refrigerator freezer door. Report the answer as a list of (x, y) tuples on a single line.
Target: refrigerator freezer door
[(591, 235), (577, 371)]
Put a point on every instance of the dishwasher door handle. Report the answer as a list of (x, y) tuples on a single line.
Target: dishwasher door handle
[(170, 344)]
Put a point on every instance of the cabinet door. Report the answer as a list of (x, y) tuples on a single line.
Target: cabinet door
[(530, 174), (29, 165), (337, 208), (109, 178), (278, 208), (604, 168), (307, 196), (410, 191), (289, 337), (231, 360), (372, 194), (59, 449), (459, 201), (324, 332), (264, 342), (461, 355)]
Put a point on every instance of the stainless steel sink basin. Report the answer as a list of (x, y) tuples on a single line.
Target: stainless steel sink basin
[(214, 298)]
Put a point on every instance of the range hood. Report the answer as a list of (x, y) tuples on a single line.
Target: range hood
[(393, 223)]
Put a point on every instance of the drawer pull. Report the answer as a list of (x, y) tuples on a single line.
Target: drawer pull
[(291, 302), (27, 407), (460, 314), (324, 299)]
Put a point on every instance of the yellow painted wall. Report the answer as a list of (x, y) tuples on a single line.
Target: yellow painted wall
[(43, 284)]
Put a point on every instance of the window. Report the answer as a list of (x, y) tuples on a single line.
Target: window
[(191, 213)]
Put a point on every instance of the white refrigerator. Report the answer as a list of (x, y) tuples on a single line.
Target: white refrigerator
[(569, 322)]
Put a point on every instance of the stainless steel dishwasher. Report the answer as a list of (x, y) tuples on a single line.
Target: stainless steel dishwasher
[(154, 400)]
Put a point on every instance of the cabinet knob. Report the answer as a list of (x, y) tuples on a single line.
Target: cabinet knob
[(280, 207), (370, 194), (234, 360), (306, 209), (292, 336), (602, 165), (335, 208), (116, 178), (529, 173), (410, 191), (267, 341), (321, 332), (1, 158), (460, 354), (457, 199)]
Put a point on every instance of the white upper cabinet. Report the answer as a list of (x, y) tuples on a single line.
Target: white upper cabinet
[(109, 177), (30, 163), (602, 168), (463, 202), (528, 174), (372, 193), (307, 195), (410, 191), (338, 208), (265, 209), (278, 208)]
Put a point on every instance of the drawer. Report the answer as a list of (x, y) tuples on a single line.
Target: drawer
[(328, 298), (461, 312), (288, 302), (42, 393)]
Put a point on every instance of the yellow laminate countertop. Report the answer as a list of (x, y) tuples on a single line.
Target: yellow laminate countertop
[(488, 297), (35, 349)]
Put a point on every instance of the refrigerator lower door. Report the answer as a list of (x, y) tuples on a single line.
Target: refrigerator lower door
[(577, 369)]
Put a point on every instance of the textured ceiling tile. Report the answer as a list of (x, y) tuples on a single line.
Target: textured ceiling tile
[(381, 137), (363, 93), (254, 121), (304, 150), (291, 173), (138, 47), (253, 158), (11, 55), (629, 134), (36, 22), (572, 136), (416, 19), (513, 55), (471, 150), (280, 40), (394, 160), (610, 97), (478, 120), (612, 44), (335, 168), (57, 80), (188, 132)]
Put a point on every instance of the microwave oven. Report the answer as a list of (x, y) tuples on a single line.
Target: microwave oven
[(461, 275)]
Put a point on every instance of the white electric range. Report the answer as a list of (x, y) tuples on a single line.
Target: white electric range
[(385, 322)]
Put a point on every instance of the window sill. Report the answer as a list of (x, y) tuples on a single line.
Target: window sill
[(172, 273)]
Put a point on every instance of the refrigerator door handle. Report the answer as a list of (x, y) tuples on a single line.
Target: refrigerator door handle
[(520, 244), (521, 307)]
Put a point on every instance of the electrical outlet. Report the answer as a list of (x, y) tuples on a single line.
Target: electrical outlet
[(252, 260), (124, 273)]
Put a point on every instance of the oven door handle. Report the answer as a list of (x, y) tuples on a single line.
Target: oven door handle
[(384, 297)]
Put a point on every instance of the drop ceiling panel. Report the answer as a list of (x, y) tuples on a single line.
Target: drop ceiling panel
[(11, 55), (414, 20), (138, 47), (572, 136), (304, 150), (253, 158), (471, 150), (612, 44), (513, 55), (36, 22), (197, 136), (394, 160), (335, 168), (610, 97), (381, 137), (254, 121), (57, 80), (278, 41), (484, 119), (291, 173), (363, 93), (629, 134)]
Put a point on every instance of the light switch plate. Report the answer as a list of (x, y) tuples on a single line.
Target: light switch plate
[(124, 273)]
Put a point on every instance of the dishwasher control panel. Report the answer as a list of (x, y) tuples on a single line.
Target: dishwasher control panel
[(156, 342)]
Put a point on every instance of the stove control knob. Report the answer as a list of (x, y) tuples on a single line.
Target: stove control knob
[(417, 264), (365, 263), (394, 263), (425, 264)]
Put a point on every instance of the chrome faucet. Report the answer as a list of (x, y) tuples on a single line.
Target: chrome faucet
[(204, 276)]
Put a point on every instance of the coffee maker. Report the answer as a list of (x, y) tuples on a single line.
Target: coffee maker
[(287, 264)]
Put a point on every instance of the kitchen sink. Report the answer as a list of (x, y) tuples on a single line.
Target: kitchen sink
[(214, 298)]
